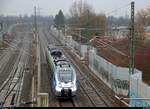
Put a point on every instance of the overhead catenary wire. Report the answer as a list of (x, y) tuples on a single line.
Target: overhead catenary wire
[(115, 49), (113, 10), (117, 9)]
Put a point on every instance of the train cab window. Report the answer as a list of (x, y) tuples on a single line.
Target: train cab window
[(65, 76), (59, 54), (56, 53), (63, 63)]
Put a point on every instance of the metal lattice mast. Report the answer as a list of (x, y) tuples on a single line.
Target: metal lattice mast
[(132, 46), (132, 39), (35, 21)]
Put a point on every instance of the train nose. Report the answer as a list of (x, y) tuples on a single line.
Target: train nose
[(70, 92), (66, 92), (62, 92), (65, 82)]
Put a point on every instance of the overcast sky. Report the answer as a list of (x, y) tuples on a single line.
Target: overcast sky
[(51, 7)]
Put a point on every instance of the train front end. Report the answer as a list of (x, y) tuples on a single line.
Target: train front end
[(66, 85)]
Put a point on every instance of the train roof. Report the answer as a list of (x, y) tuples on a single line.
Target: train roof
[(54, 51), (62, 62)]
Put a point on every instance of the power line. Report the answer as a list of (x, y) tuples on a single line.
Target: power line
[(118, 9), (35, 21), (115, 49)]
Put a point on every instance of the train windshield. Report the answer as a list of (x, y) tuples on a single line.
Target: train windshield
[(63, 63), (56, 53), (65, 75)]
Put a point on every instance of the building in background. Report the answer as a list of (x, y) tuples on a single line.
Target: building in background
[(119, 32), (147, 32)]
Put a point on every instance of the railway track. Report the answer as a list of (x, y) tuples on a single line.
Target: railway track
[(87, 90), (2, 54), (54, 101), (5, 57), (46, 75), (25, 96), (8, 88), (5, 51), (99, 85), (93, 93), (96, 97), (66, 103), (7, 63), (11, 89)]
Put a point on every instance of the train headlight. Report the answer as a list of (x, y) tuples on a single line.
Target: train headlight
[(59, 85), (72, 84)]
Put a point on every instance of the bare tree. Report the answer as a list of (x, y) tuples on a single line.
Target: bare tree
[(83, 16), (79, 12), (142, 17), (142, 20)]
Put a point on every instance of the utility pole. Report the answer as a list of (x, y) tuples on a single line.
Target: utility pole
[(87, 38), (87, 24), (132, 46), (35, 21), (37, 57), (132, 38), (1, 26), (1, 33)]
